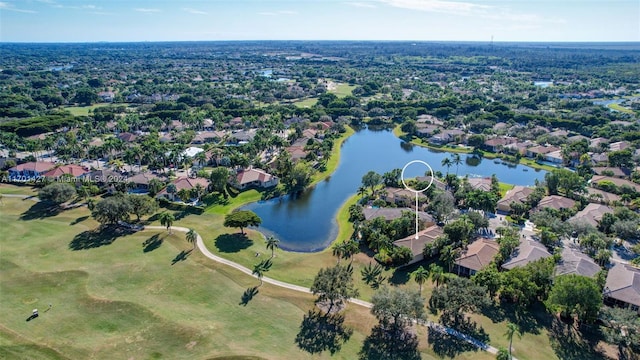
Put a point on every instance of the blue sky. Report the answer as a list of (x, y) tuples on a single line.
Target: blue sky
[(464, 20)]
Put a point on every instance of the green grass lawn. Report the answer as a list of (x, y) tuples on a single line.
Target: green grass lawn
[(504, 187), (620, 108), (133, 296), (306, 103), (84, 110), (343, 89), (17, 190)]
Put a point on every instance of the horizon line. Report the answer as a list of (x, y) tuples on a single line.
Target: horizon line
[(329, 40)]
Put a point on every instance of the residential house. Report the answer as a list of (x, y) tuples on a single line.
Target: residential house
[(620, 145), (559, 133), (204, 137), (517, 194), (390, 214), (483, 184), (191, 152), (426, 130), (103, 177), (528, 251), (254, 177), (447, 136), (402, 197), (591, 214), (296, 152), (602, 197), (622, 287), (540, 150), (106, 96), (241, 137), (518, 147), (477, 255), (140, 182), (183, 182), (71, 170), (595, 143), (576, 138), (554, 157), (425, 236), (497, 144), (127, 137), (597, 179), (599, 158), (30, 171), (573, 261), (556, 202), (437, 183), (611, 171)]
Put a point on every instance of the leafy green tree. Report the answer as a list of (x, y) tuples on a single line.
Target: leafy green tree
[(57, 193), (490, 278), (371, 180), (420, 275), (299, 177), (459, 231), (397, 307), (167, 219), (622, 328), (503, 354), (392, 178), (335, 285), (241, 219), (512, 329), (458, 297), (441, 206), (218, 180), (86, 96), (192, 238), (272, 244), (575, 295), (142, 205), (111, 210), (409, 126)]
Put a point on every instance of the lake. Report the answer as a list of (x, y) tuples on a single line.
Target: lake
[(307, 223)]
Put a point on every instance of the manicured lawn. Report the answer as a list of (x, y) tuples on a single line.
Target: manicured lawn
[(504, 187), (17, 190), (242, 198), (132, 298), (621, 108), (83, 110), (343, 89), (306, 103)]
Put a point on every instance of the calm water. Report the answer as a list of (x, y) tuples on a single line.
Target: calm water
[(308, 224)]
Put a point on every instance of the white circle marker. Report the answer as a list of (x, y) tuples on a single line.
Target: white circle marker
[(414, 190)]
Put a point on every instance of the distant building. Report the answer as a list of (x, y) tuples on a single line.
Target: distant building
[(254, 178), (30, 170)]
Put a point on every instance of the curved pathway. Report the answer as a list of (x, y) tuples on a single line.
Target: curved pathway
[(203, 249)]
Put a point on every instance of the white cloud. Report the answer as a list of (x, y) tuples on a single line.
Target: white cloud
[(147, 10), (194, 11), (287, 12), (9, 7), (362, 4)]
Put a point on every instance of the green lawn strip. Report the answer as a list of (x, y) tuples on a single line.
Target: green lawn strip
[(243, 198), (306, 103), (343, 89), (118, 301), (334, 158), (504, 187), (83, 110), (618, 107), (17, 189)]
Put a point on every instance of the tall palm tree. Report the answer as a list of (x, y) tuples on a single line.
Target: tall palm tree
[(272, 244), (260, 268), (455, 159), (512, 329), (351, 247), (192, 236), (447, 163), (437, 274), (339, 250), (167, 219), (420, 275)]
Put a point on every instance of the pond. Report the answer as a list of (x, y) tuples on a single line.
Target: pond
[(307, 223)]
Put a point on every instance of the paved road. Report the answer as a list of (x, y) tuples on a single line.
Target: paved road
[(203, 249)]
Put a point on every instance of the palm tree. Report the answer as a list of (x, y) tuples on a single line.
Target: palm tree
[(437, 274), (260, 268), (272, 244), (511, 330), (167, 219), (351, 247), (447, 162), (455, 159), (362, 191), (420, 275), (339, 250), (192, 236)]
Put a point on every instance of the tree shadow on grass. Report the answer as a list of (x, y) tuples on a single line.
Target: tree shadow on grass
[(98, 237), (231, 243), (151, 243), (248, 295), (571, 344), (79, 220), (449, 346), (322, 332), (400, 276), (393, 343), (40, 210), (182, 256), (529, 320)]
